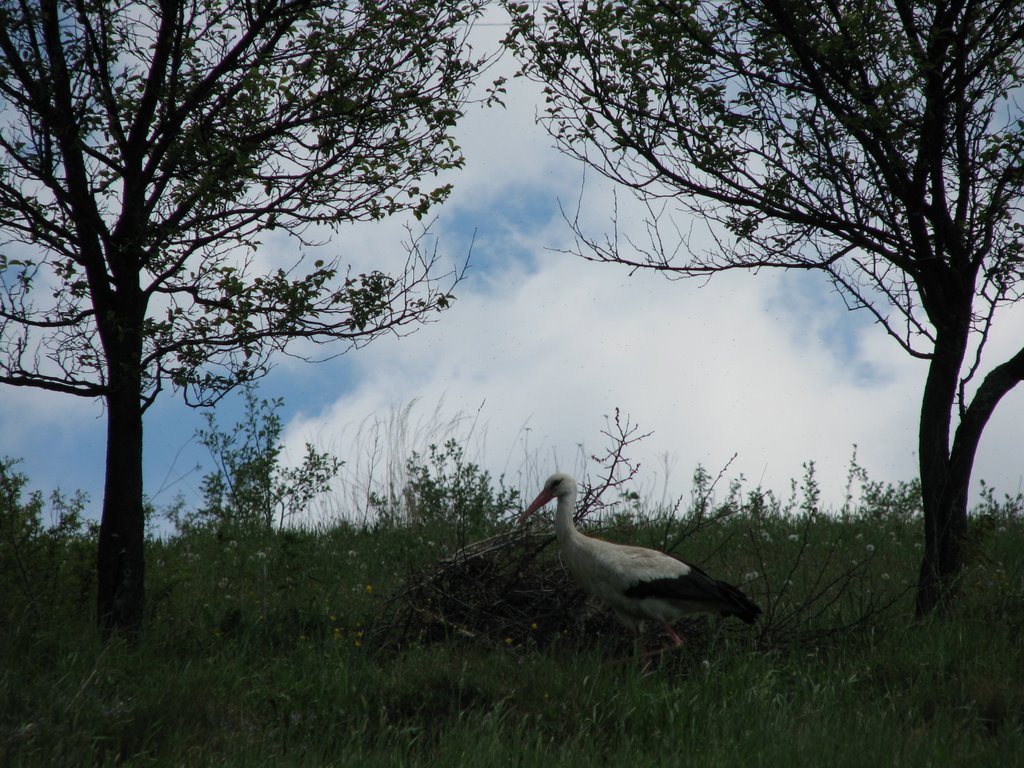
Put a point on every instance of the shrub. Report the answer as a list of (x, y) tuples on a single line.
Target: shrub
[(43, 566), (249, 489), (444, 488)]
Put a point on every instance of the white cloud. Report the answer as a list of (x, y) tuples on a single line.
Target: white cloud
[(711, 371)]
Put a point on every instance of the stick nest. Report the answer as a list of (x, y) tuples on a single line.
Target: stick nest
[(510, 589)]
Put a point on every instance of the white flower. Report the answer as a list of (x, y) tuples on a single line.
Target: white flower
[(794, 537), (750, 575), (870, 548)]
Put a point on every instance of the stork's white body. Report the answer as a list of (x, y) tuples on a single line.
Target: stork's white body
[(608, 570), (636, 583)]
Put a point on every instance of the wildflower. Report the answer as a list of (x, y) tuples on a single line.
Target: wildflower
[(750, 575), (870, 548), (260, 555), (223, 583), (508, 641), (534, 626), (369, 589), (794, 537), (885, 577)]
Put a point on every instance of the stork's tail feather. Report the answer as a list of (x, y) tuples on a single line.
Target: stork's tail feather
[(738, 604), (695, 590)]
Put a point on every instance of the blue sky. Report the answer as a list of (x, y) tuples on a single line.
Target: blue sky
[(540, 348)]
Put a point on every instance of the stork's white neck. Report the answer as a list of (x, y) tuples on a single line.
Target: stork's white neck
[(565, 529)]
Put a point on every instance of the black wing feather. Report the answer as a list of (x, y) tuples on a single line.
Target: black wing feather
[(697, 588)]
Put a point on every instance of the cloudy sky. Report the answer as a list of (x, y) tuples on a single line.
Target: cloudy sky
[(541, 348)]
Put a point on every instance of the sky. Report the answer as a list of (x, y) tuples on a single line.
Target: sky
[(750, 374)]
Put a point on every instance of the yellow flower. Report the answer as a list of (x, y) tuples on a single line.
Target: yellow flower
[(369, 589)]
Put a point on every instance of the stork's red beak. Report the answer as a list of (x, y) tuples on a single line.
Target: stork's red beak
[(542, 498)]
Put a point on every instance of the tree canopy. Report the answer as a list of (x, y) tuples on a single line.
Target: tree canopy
[(148, 149), (880, 142)]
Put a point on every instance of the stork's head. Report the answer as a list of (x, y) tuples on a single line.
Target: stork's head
[(556, 487)]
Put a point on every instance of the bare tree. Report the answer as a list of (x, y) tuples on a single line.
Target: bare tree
[(146, 145), (878, 141)]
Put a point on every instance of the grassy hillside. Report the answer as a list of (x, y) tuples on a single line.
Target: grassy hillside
[(391, 643)]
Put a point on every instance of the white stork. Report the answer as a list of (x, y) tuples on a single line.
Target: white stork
[(637, 583)]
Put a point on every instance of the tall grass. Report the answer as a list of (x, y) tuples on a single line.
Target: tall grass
[(257, 644)]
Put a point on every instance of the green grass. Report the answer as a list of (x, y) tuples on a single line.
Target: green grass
[(929, 695), (255, 653)]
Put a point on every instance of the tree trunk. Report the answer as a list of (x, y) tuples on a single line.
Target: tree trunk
[(120, 568), (946, 472), (945, 523), (943, 490), (120, 565)]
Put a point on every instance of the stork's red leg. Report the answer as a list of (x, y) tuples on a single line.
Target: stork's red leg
[(677, 641)]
